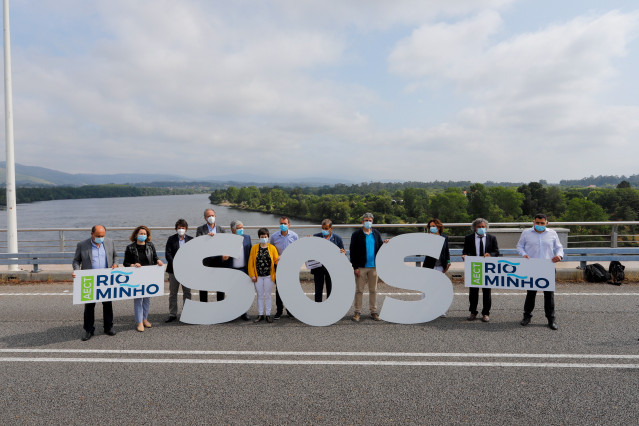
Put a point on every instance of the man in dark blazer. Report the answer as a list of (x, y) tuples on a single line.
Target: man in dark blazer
[(241, 264), (210, 228), (96, 252), (173, 244), (480, 243), (320, 274)]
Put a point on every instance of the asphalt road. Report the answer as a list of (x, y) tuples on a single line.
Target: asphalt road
[(448, 371)]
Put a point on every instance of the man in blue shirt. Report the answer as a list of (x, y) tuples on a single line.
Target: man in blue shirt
[(281, 240), (365, 243), (96, 252), (539, 242)]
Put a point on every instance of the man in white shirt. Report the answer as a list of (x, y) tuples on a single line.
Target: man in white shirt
[(539, 242)]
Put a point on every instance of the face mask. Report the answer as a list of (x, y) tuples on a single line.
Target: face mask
[(433, 229), (181, 232), (239, 231), (481, 231), (210, 220), (540, 228), (368, 225), (264, 240), (325, 232), (141, 238), (283, 227), (98, 240)]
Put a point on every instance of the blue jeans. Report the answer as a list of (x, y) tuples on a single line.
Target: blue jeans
[(141, 308)]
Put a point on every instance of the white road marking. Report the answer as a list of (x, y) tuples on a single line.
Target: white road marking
[(321, 362), (312, 353)]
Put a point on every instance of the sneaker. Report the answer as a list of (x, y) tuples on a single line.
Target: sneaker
[(356, 317), (375, 316), (277, 316), (258, 319), (485, 318), (472, 317), (269, 319), (290, 315)]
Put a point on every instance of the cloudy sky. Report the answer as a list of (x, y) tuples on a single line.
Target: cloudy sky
[(362, 90)]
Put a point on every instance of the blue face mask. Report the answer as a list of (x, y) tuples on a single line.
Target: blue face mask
[(141, 238), (540, 228), (481, 231), (368, 225), (239, 231), (98, 240), (283, 227), (325, 232), (434, 230)]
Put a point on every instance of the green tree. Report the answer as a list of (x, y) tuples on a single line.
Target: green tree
[(450, 206)]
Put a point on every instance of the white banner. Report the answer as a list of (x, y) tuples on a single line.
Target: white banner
[(103, 285), (509, 273)]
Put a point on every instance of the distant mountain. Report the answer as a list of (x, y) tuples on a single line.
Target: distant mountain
[(41, 176)]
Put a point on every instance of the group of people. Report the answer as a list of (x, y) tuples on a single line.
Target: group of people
[(259, 262)]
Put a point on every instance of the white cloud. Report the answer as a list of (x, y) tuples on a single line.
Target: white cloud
[(220, 87)]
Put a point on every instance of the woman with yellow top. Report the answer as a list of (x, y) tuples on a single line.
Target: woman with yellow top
[(261, 269)]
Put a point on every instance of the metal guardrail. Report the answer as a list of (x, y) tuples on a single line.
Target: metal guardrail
[(581, 255), (67, 238)]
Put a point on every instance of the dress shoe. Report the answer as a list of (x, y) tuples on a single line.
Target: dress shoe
[(552, 325), (258, 319), (170, 319), (278, 315), (140, 327), (485, 318), (375, 316), (356, 317), (86, 336), (146, 324), (109, 332), (269, 319), (525, 321), (245, 317), (472, 317)]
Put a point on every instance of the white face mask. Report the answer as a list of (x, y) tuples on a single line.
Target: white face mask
[(210, 220), (181, 232), (264, 240)]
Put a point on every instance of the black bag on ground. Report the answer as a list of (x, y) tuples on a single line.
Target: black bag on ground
[(616, 271), (596, 273)]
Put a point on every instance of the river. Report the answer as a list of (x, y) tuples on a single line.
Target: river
[(152, 211)]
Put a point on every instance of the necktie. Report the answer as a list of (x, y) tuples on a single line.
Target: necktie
[(481, 246)]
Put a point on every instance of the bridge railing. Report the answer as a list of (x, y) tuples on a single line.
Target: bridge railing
[(65, 239)]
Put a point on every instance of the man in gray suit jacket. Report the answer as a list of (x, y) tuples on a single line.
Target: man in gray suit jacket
[(211, 228), (96, 252)]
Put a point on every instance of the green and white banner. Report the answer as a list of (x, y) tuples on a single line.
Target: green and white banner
[(509, 273), (103, 285)]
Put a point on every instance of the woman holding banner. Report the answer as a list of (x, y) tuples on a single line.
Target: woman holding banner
[(141, 252), (261, 269)]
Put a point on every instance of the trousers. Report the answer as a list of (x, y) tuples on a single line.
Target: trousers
[(367, 276), (549, 303), (320, 275), (264, 288), (174, 286), (89, 316), (473, 297)]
